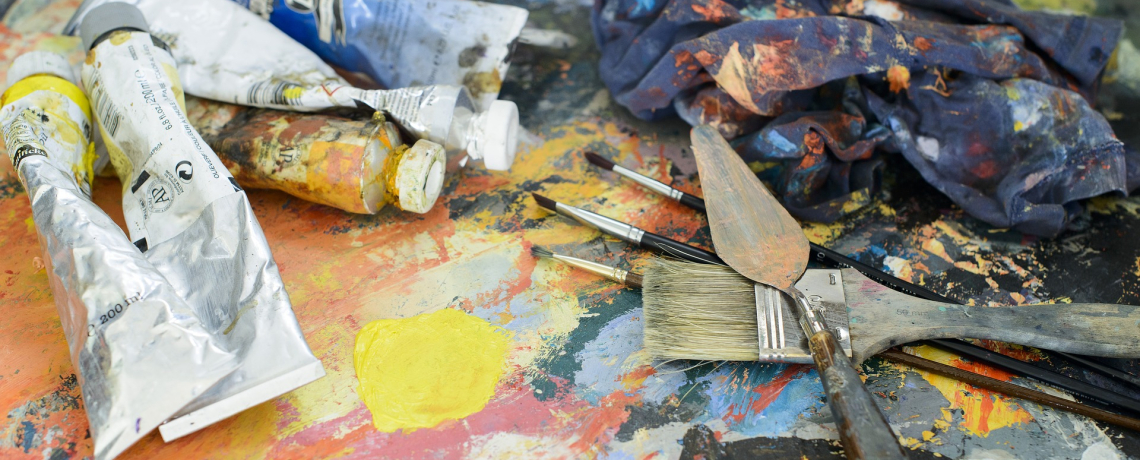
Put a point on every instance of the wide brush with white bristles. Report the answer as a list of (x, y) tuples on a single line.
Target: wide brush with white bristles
[(705, 312)]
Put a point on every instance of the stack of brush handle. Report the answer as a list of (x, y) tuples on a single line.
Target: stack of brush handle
[(833, 259)]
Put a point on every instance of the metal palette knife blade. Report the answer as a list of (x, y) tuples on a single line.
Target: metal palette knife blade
[(757, 237)]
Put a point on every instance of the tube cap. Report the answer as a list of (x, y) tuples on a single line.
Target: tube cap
[(40, 63), (107, 17), (419, 178), (500, 126)]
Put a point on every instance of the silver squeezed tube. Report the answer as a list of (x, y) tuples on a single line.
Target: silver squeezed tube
[(186, 213), (139, 349)]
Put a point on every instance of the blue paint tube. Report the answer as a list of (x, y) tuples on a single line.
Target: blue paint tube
[(402, 43)]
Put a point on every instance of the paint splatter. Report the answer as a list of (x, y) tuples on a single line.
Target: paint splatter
[(418, 372)]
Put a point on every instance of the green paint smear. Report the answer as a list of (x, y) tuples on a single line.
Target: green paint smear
[(1086, 7)]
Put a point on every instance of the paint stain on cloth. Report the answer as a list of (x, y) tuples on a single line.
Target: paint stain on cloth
[(421, 371)]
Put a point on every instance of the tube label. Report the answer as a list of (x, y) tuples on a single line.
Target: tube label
[(44, 121), (169, 174)]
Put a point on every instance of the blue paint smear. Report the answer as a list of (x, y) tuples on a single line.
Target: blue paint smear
[(780, 142), (731, 395), (29, 435)]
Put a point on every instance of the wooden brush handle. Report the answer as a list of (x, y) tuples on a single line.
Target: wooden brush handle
[(881, 318), (862, 428)]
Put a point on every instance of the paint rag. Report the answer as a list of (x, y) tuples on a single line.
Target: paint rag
[(989, 102)]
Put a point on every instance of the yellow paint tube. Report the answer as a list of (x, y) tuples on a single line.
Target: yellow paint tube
[(355, 165), (122, 319)]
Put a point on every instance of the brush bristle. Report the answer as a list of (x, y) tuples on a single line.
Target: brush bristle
[(599, 161), (701, 312), (540, 252), (545, 202)]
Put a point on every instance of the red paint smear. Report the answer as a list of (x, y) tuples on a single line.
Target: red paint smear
[(716, 11), (985, 169), (986, 409), (771, 390), (923, 44), (517, 411)]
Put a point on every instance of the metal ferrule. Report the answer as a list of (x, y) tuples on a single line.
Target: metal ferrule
[(649, 183), (604, 271), (617, 229), (809, 312)]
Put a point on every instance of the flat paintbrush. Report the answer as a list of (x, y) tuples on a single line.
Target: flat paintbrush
[(831, 258), (743, 292)]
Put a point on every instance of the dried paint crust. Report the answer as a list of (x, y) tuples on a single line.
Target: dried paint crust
[(333, 160), (577, 384)]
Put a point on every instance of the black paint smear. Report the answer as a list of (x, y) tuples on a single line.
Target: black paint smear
[(700, 443), (10, 187), (562, 364)]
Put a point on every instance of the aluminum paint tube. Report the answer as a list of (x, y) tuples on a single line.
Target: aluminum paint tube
[(188, 216), (402, 43), (355, 165), (139, 349), (228, 54)]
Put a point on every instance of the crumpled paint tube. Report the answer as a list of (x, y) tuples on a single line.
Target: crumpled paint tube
[(402, 43), (228, 54), (188, 216), (140, 351), (355, 165)]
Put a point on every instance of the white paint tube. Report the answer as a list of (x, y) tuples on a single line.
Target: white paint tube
[(140, 351), (187, 215), (228, 54)]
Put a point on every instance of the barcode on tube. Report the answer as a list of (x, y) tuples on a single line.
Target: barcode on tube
[(272, 93), (108, 115)]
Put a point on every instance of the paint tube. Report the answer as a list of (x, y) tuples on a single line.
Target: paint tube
[(401, 43), (355, 165), (140, 351), (228, 54), (188, 216)]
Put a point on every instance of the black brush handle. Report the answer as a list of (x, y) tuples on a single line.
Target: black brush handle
[(1018, 366), (692, 202), (834, 259), (863, 430), (677, 249)]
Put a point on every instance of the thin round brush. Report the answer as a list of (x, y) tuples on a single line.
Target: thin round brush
[(612, 273)]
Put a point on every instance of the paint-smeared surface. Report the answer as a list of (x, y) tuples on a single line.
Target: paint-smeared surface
[(577, 383)]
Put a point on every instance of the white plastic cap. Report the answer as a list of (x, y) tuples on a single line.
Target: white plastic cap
[(500, 126), (419, 177), (40, 63)]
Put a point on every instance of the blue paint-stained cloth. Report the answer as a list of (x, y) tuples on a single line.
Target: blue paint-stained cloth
[(989, 103)]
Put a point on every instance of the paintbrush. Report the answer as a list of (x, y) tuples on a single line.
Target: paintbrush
[(830, 258), (612, 273), (695, 311), (744, 291), (629, 233), (647, 182)]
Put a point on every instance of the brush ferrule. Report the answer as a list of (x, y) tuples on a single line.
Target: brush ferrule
[(617, 229), (769, 317), (605, 271), (649, 183), (810, 312)]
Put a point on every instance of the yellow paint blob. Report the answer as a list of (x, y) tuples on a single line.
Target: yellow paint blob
[(418, 372)]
